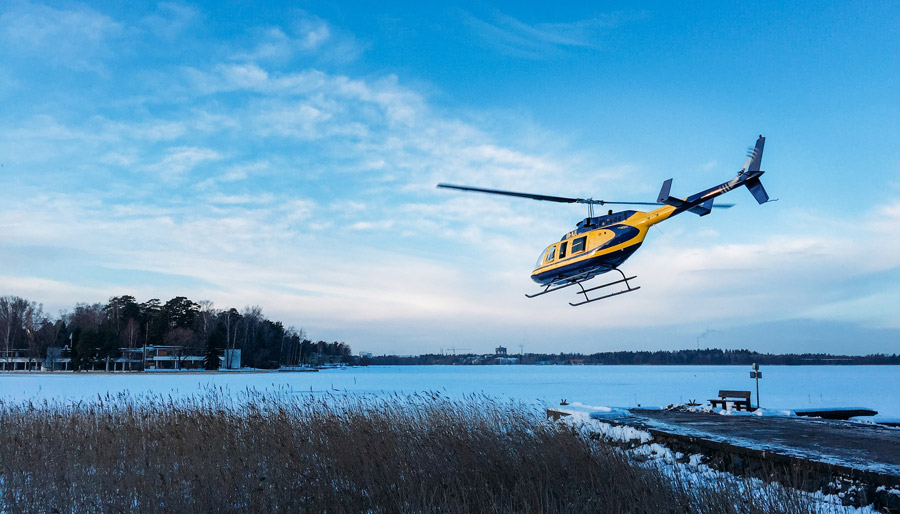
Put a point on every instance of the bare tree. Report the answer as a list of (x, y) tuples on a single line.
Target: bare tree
[(232, 320), (86, 316), (206, 321), (251, 317), (20, 320), (130, 335), (9, 320), (294, 339)]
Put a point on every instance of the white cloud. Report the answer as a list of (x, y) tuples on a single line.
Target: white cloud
[(243, 76), (539, 40), (314, 32), (382, 226), (316, 93), (273, 44), (241, 199), (827, 273), (75, 38), (171, 19), (144, 131), (291, 119), (56, 295), (180, 160), (308, 35)]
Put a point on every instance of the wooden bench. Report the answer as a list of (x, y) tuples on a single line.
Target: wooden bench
[(740, 400)]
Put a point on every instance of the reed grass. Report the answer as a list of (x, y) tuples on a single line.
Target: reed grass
[(290, 452)]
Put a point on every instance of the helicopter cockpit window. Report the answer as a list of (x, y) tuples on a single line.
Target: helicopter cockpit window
[(562, 249), (551, 253), (578, 245)]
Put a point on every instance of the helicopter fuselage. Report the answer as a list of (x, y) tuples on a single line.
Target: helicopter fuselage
[(596, 246)]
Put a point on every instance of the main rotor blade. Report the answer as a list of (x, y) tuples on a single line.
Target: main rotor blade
[(546, 198), (559, 199), (603, 202)]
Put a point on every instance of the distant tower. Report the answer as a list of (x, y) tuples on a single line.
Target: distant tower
[(500, 351)]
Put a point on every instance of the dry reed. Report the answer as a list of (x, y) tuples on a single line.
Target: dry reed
[(289, 452)]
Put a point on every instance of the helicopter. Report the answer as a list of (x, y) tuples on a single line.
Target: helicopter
[(600, 244)]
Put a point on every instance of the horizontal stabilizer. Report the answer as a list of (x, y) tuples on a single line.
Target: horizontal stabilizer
[(757, 190), (703, 209)]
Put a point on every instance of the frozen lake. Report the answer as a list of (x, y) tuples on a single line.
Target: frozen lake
[(783, 387)]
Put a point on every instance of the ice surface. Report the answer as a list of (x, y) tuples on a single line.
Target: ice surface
[(785, 388)]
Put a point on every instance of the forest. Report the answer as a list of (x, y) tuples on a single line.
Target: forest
[(94, 332), (709, 356), (91, 333)]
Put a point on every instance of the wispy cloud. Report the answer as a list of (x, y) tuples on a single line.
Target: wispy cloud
[(171, 20), (306, 36), (835, 266), (539, 40), (239, 236), (76, 38), (180, 160)]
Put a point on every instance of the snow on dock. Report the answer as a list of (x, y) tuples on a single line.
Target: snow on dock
[(849, 446), (849, 458)]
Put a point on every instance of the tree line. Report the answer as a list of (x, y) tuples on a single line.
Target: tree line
[(94, 332), (709, 356)]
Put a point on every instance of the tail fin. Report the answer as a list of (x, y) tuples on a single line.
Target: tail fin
[(751, 167), (755, 158), (664, 192), (702, 203)]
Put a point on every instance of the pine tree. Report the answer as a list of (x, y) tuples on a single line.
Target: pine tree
[(217, 339), (211, 361)]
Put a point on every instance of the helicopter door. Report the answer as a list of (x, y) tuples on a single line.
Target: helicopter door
[(562, 249)]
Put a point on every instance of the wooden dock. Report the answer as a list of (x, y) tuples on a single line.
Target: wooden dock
[(825, 451)]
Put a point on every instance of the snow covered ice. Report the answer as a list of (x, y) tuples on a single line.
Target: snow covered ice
[(785, 387)]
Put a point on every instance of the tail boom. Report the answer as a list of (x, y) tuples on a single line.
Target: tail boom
[(701, 203)]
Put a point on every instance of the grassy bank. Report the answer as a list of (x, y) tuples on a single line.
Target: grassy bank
[(285, 452)]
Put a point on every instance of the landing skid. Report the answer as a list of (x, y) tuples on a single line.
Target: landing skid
[(581, 279), (585, 292)]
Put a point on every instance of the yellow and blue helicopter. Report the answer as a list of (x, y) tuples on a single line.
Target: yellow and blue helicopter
[(600, 244)]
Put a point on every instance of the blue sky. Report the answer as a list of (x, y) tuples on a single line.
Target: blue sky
[(286, 156)]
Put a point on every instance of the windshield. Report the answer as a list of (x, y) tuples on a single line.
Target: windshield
[(540, 259)]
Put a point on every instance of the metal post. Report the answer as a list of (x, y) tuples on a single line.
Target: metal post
[(756, 374), (757, 390)]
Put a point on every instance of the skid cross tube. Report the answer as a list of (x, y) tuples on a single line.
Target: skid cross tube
[(579, 280), (588, 299)]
